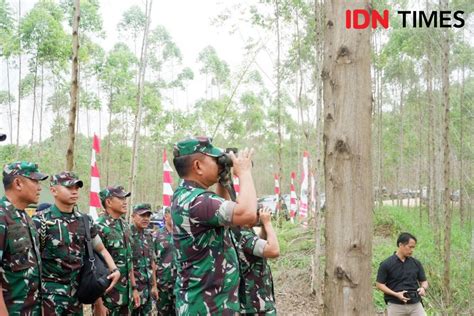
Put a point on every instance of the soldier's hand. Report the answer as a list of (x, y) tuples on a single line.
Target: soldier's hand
[(115, 276), (242, 163), (136, 298), (154, 292), (99, 308), (265, 215)]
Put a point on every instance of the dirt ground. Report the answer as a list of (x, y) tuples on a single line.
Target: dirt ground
[(293, 293)]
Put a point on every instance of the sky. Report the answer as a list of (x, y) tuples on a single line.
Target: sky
[(189, 24)]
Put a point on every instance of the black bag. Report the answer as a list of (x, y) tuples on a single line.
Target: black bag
[(93, 276)]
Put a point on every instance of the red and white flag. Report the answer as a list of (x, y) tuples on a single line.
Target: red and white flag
[(304, 187), (277, 189), (293, 206), (94, 201), (167, 182), (313, 194), (277, 185), (236, 185)]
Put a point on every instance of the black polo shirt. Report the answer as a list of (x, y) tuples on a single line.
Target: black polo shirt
[(400, 275)]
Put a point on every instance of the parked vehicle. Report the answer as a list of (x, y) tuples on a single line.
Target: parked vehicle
[(270, 201), (455, 196)]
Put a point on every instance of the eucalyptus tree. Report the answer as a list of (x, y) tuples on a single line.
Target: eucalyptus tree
[(116, 76), (8, 46), (215, 69), (74, 85), (132, 24), (45, 40), (90, 52), (139, 98), (347, 164)]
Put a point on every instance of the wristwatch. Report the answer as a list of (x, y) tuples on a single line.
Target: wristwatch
[(116, 269), (134, 287)]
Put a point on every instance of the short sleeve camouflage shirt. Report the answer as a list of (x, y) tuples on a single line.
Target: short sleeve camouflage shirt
[(62, 238), (143, 257), (115, 235), (207, 265), (19, 261), (256, 284), (165, 265)]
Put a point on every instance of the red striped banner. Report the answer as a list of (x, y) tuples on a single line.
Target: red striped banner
[(167, 182), (94, 201)]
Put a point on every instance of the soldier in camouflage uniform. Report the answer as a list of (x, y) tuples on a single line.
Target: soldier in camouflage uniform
[(166, 267), (115, 234), (143, 259), (62, 238), (256, 283), (207, 266), (19, 244)]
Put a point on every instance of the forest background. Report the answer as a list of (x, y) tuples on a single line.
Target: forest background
[(141, 94)]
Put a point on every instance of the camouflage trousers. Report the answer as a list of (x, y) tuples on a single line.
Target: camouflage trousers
[(61, 305), (267, 313), (24, 310), (118, 310), (144, 309), (166, 301)]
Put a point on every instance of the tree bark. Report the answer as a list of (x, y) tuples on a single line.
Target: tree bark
[(74, 86), (138, 114), (10, 110), (34, 101), (19, 86), (317, 278), (280, 166), (461, 154), (446, 165), (41, 105), (347, 165), (401, 141)]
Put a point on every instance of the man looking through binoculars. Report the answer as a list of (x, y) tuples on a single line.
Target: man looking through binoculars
[(207, 262)]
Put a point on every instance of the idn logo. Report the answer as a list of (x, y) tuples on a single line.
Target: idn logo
[(361, 19)]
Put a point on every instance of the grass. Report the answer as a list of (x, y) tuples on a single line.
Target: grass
[(297, 246)]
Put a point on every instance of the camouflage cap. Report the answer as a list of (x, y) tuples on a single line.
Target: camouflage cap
[(200, 144), (142, 208), (25, 169), (66, 179), (114, 190)]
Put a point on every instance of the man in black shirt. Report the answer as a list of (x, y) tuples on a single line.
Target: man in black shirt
[(402, 279)]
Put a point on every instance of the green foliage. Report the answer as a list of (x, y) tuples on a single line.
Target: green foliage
[(42, 34), (427, 251), (91, 20), (212, 65), (6, 97), (8, 40), (133, 21), (297, 246)]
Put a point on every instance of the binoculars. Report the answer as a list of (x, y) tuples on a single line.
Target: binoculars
[(225, 160)]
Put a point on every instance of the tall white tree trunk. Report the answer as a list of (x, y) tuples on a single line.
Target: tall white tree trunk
[(347, 165), (74, 86), (138, 114)]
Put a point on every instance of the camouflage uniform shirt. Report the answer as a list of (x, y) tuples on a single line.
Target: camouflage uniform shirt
[(165, 271), (19, 261), (256, 283), (207, 265), (62, 249), (143, 256), (115, 234)]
